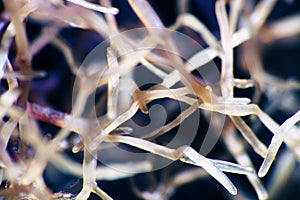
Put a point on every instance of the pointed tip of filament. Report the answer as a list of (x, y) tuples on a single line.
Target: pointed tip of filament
[(114, 11), (99, 8), (233, 191), (262, 172), (229, 187)]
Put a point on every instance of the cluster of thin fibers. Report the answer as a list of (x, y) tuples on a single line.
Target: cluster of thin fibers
[(22, 171)]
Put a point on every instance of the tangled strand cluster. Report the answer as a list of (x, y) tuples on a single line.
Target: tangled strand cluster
[(22, 171)]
